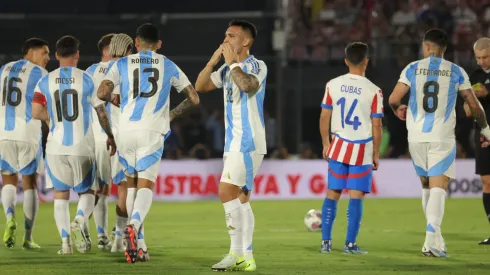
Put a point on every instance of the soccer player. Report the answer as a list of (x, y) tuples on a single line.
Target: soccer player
[(353, 108), (20, 137), (102, 157), (64, 98), (243, 79), (145, 80), (434, 83), (480, 79)]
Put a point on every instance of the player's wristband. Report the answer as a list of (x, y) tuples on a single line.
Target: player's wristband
[(485, 132), (234, 65)]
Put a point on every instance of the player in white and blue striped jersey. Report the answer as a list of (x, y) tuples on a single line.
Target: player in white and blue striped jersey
[(243, 79), (145, 80), (20, 137), (434, 83), (102, 156), (65, 98)]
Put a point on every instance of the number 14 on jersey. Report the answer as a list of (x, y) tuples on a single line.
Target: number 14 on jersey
[(354, 122)]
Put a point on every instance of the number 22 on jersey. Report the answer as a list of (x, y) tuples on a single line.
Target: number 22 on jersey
[(347, 119)]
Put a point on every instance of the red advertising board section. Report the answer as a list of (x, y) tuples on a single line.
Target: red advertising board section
[(189, 180)]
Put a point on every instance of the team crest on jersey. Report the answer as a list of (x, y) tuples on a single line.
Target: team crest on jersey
[(65, 69)]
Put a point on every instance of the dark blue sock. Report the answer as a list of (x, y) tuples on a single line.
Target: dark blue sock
[(354, 217), (329, 211)]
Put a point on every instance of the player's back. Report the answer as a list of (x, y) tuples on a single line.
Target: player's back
[(68, 93), (98, 71), (18, 80), (434, 85), (146, 80), (354, 101)]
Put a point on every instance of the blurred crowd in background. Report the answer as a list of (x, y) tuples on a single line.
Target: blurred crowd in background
[(317, 32)]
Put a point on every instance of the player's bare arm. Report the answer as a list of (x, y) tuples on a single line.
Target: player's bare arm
[(105, 90), (395, 100), (204, 83), (475, 107), (325, 116), (40, 112), (377, 126), (190, 102), (105, 123), (246, 82)]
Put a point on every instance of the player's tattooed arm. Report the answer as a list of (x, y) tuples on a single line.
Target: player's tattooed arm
[(104, 119), (475, 107), (246, 82), (105, 90), (190, 102)]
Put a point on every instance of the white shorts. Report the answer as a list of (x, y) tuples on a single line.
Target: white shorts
[(66, 172), (108, 167), (140, 152), (432, 159), (22, 157), (240, 168)]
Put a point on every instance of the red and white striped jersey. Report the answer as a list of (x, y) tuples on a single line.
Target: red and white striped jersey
[(354, 101)]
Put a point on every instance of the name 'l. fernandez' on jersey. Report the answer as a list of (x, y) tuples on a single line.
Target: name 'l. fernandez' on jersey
[(434, 84), (17, 82), (145, 79)]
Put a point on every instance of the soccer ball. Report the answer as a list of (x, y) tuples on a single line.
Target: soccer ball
[(313, 220)]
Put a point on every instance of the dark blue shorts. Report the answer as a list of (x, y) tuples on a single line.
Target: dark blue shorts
[(354, 177)]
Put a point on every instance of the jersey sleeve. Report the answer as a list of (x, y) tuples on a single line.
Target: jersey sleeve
[(217, 77), (377, 110), (113, 74), (179, 80), (91, 70), (89, 84), (327, 99), (257, 69), (39, 97), (464, 80), (407, 74)]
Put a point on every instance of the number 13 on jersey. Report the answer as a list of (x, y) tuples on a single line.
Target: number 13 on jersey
[(348, 119)]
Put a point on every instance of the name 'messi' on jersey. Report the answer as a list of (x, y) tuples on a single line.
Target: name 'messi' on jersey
[(354, 101)]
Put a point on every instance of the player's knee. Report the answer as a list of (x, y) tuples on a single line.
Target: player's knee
[(334, 194), (485, 180), (356, 194), (228, 192), (10, 179)]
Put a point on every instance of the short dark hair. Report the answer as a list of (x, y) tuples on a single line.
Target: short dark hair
[(148, 33), (356, 52), (245, 25), (67, 46), (33, 43), (104, 41), (437, 36)]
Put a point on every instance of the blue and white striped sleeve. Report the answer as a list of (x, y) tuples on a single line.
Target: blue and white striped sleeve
[(407, 74), (258, 69)]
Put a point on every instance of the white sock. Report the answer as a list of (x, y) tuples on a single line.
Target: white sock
[(85, 207), (234, 216), (142, 205), (62, 218), (425, 200), (9, 199), (141, 238), (248, 230), (435, 213), (100, 215), (131, 196), (31, 205), (121, 223)]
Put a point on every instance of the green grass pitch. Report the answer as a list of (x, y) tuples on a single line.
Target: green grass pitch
[(187, 238)]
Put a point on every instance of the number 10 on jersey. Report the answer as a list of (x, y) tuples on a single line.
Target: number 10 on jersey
[(354, 122)]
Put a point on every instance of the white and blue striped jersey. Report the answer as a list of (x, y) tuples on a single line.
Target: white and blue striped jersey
[(145, 79), (434, 84), (244, 112), (98, 72), (17, 82), (69, 94)]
